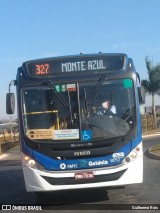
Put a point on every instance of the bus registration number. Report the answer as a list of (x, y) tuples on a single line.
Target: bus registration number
[(84, 175)]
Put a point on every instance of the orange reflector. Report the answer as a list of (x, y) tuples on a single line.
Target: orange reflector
[(137, 149), (26, 158)]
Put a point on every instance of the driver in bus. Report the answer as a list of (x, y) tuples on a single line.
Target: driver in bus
[(106, 108)]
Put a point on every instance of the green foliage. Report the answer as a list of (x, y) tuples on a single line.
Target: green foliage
[(156, 147), (152, 85)]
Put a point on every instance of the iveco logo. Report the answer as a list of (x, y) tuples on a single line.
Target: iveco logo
[(82, 153)]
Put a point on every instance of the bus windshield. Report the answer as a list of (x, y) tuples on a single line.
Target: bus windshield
[(79, 111)]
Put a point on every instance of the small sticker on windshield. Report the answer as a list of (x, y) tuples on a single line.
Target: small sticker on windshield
[(66, 134), (86, 135), (71, 87), (40, 133), (127, 83), (60, 88)]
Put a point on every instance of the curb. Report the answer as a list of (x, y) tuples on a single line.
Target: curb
[(151, 155), (153, 134), (155, 156), (148, 152)]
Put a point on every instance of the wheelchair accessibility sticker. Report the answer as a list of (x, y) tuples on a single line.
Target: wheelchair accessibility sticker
[(86, 135)]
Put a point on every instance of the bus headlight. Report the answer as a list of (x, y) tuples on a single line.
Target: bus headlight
[(31, 163), (26, 160), (133, 154)]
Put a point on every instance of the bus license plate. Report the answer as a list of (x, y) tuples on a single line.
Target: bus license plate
[(84, 175)]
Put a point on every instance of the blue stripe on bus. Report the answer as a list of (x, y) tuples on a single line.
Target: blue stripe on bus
[(108, 160)]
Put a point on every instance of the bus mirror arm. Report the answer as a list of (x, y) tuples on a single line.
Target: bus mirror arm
[(10, 99), (141, 90), (141, 93), (13, 82)]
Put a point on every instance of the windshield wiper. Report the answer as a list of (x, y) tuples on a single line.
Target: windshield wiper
[(86, 102), (96, 89), (70, 109), (59, 96)]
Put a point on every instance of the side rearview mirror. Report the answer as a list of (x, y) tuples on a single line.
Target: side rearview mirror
[(10, 103), (141, 90), (142, 95)]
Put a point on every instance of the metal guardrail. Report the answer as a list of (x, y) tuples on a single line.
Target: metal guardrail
[(9, 137), (5, 146)]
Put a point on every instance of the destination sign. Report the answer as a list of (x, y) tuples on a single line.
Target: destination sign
[(53, 66)]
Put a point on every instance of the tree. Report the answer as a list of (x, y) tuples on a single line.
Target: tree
[(152, 85)]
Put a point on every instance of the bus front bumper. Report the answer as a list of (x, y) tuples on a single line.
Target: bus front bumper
[(37, 180)]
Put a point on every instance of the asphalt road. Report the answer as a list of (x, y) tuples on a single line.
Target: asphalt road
[(12, 189)]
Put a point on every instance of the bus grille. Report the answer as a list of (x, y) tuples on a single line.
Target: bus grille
[(72, 180)]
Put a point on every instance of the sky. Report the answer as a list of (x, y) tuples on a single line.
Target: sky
[(31, 29)]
